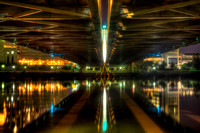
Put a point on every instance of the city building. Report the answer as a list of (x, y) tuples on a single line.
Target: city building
[(31, 57), (181, 56), (8, 52), (178, 56), (172, 57)]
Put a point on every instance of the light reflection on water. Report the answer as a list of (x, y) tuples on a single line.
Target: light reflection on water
[(23, 102), (179, 99)]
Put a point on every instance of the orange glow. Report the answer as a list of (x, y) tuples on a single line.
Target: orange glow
[(154, 59), (38, 87), (2, 119), (133, 90), (153, 89), (43, 62), (3, 115)]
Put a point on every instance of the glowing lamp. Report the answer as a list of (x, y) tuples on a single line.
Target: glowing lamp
[(104, 26), (2, 66)]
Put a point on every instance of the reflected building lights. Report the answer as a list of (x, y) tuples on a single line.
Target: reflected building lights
[(15, 129), (2, 85), (104, 124), (51, 109), (32, 99), (165, 95), (42, 95), (3, 115)]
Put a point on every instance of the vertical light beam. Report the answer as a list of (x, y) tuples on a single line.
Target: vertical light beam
[(104, 124), (104, 41)]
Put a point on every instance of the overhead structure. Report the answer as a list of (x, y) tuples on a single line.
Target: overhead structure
[(142, 28), (71, 29), (64, 28)]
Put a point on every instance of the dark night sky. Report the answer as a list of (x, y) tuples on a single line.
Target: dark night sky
[(104, 11)]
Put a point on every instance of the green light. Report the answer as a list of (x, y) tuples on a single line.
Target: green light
[(25, 67), (2, 66), (104, 26), (2, 85), (197, 39), (51, 67)]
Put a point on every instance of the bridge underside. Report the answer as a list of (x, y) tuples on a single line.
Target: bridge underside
[(71, 29)]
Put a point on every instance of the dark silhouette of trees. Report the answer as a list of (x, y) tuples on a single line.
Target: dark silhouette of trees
[(196, 61)]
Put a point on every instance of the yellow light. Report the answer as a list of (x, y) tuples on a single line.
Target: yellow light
[(130, 14), (104, 45), (125, 10), (15, 129), (73, 86)]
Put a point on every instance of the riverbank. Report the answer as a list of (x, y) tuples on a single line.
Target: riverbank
[(67, 75)]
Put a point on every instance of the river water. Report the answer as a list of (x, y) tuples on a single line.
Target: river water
[(22, 102)]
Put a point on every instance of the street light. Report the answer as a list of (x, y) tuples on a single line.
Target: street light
[(3, 66)]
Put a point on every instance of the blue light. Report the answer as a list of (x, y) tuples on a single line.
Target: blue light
[(51, 55), (51, 108), (104, 26), (158, 109), (104, 126)]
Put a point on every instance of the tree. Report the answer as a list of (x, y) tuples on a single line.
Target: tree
[(147, 65), (173, 65), (196, 61), (197, 89), (162, 66), (187, 66)]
